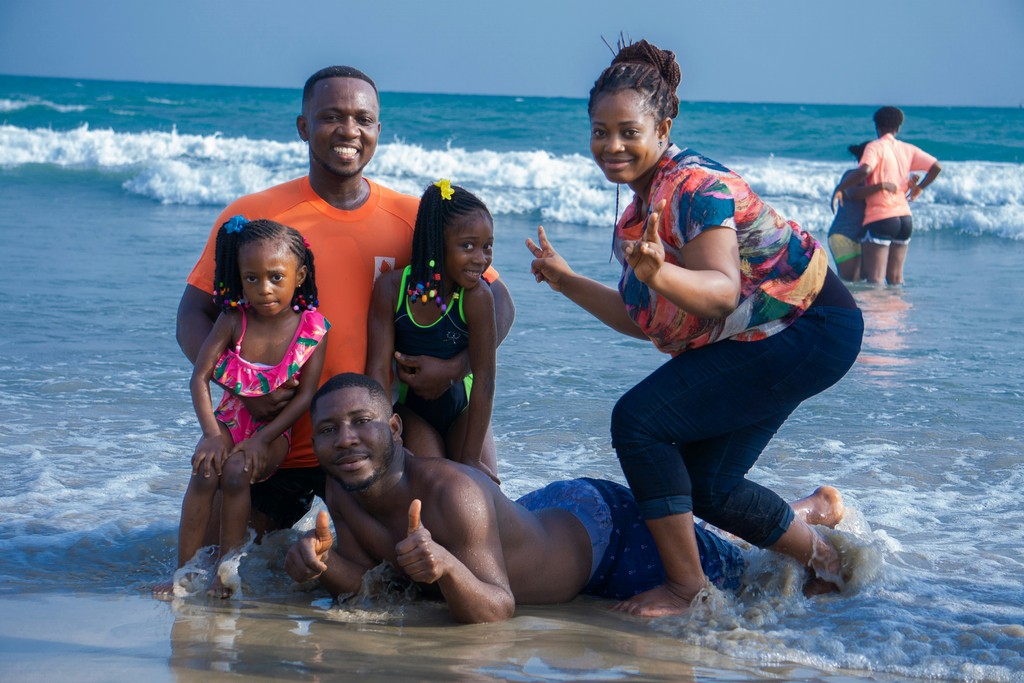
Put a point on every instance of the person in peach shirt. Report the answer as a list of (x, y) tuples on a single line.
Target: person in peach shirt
[(887, 163)]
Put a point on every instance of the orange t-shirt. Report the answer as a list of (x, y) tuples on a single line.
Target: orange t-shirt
[(891, 161), (350, 248)]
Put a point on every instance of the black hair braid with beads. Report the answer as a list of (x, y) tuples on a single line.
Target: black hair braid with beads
[(650, 71), (227, 279), (432, 218)]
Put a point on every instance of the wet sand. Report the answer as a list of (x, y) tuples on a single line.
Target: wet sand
[(116, 637)]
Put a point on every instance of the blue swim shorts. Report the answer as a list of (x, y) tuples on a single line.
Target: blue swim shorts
[(625, 558)]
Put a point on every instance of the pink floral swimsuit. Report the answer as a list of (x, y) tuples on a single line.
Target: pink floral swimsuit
[(243, 378)]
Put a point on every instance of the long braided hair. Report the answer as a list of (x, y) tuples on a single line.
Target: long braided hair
[(238, 232), (432, 218)]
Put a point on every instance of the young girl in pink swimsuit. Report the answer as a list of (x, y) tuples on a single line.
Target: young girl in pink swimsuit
[(268, 332)]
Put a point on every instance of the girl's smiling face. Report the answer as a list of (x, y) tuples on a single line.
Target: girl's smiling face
[(468, 244), (270, 275)]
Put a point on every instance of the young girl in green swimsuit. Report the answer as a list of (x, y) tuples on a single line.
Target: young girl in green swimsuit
[(436, 307)]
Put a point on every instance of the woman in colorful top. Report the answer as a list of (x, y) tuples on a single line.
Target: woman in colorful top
[(744, 302), (436, 307), (268, 332)]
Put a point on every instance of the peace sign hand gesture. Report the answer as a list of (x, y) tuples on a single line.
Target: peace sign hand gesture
[(547, 265), (646, 255)]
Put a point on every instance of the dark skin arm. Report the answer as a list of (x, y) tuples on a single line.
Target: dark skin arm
[(256, 448), (601, 301), (314, 557), (856, 178), (380, 347), (929, 177), (708, 286), (196, 315), (862, 192), (213, 447), (468, 565), (430, 377), (478, 305)]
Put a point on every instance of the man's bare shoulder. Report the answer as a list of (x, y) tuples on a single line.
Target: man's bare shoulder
[(442, 476), (457, 494)]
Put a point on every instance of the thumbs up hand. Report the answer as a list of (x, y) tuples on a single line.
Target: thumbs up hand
[(307, 558), (417, 554)]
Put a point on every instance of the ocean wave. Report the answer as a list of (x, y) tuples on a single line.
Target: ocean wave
[(7, 105), (983, 198)]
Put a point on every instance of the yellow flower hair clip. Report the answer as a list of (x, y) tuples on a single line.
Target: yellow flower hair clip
[(446, 188)]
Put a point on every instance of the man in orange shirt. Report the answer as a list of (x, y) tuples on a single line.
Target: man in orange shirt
[(357, 230), (886, 165)]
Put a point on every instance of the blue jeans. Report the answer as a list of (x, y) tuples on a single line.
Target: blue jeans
[(687, 435)]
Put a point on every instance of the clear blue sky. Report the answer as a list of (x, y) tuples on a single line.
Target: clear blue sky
[(931, 52)]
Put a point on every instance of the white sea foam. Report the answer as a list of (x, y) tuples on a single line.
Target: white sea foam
[(983, 198)]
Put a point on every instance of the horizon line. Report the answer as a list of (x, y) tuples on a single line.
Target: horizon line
[(510, 96)]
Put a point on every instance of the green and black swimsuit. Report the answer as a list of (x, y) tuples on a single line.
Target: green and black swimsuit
[(443, 338)]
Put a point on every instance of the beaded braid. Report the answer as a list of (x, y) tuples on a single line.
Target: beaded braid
[(432, 218), (236, 233), (650, 71)]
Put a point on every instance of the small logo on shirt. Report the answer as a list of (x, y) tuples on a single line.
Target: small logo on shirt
[(381, 265)]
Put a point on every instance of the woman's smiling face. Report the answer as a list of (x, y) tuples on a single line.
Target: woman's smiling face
[(625, 137)]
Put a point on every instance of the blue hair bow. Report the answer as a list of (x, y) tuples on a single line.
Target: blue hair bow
[(235, 224)]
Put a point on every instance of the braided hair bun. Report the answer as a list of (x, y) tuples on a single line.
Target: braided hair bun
[(647, 69), (645, 53)]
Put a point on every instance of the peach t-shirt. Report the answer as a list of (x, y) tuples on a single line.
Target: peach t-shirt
[(891, 161)]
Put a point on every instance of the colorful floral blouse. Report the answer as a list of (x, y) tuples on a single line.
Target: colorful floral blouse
[(782, 268)]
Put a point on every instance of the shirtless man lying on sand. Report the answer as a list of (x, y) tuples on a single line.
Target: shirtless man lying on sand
[(449, 525)]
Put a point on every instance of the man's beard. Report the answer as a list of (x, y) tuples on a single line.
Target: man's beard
[(374, 476)]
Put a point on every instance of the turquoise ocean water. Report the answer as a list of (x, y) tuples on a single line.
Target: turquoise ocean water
[(107, 191)]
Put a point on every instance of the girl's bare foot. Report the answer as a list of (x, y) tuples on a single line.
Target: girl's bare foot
[(217, 589)]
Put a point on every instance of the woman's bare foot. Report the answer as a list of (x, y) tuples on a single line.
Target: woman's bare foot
[(164, 590), (664, 600), (823, 507)]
